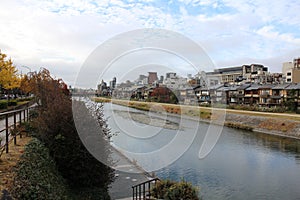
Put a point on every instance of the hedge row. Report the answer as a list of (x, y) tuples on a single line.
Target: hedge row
[(4, 104), (37, 176)]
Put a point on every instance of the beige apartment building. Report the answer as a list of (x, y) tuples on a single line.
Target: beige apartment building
[(291, 71)]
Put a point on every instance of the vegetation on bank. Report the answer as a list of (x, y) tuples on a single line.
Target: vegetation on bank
[(6, 104), (169, 108), (239, 126), (81, 174), (171, 190)]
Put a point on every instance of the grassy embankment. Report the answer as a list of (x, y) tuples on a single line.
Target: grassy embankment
[(273, 121)]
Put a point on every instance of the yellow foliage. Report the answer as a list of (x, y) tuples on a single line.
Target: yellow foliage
[(9, 78)]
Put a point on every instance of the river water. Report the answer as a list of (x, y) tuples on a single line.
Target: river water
[(242, 165)]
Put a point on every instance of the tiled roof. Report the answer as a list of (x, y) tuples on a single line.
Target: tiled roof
[(266, 86), (281, 86), (215, 87), (243, 87), (253, 87), (294, 87)]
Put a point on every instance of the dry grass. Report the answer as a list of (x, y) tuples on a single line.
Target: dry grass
[(8, 161), (277, 125)]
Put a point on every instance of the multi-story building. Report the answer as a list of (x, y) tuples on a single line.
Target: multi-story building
[(265, 92), (279, 94), (112, 83), (142, 80), (174, 82), (291, 71), (255, 73), (152, 77), (229, 75)]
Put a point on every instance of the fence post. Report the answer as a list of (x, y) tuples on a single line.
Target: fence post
[(24, 115), (149, 187), (6, 133), (140, 192), (27, 112), (20, 121), (133, 193), (144, 191), (15, 126)]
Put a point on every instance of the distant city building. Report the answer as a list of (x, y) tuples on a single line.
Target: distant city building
[(170, 75), (254, 73), (174, 82), (112, 84), (152, 77), (161, 79), (291, 71), (102, 89), (142, 80)]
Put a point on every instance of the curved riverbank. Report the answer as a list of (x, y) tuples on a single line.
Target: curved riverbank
[(278, 124)]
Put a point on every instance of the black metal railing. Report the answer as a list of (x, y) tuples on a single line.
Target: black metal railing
[(11, 120), (143, 190)]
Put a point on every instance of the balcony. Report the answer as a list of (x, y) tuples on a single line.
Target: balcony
[(276, 96), (264, 94)]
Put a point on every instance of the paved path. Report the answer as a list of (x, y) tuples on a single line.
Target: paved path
[(10, 122), (121, 189)]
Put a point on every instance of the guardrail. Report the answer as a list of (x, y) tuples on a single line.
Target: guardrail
[(143, 190), (12, 119)]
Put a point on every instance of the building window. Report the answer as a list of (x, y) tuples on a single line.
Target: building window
[(288, 80), (289, 74)]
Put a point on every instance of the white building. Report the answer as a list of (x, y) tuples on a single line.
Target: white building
[(174, 82), (291, 71)]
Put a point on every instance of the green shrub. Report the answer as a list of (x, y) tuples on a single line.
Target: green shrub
[(12, 103), (3, 104), (26, 99), (171, 190), (36, 175), (161, 188)]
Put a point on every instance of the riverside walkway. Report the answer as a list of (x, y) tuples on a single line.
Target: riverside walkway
[(127, 174)]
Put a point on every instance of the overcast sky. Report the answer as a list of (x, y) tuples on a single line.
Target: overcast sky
[(60, 35)]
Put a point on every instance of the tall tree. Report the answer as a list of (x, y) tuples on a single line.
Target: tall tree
[(9, 79), (56, 128)]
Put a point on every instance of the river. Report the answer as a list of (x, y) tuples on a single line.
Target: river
[(242, 164)]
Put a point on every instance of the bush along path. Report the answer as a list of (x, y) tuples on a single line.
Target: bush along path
[(36, 176), (7, 164)]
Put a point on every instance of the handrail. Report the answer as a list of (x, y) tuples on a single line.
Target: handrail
[(143, 190), (13, 111), (23, 115)]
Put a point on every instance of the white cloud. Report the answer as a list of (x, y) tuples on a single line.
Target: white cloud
[(60, 35)]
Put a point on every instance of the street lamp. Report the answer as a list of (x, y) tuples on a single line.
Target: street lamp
[(26, 68)]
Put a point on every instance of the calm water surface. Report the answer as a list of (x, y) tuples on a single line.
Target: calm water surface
[(242, 165)]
